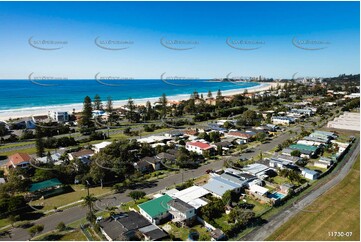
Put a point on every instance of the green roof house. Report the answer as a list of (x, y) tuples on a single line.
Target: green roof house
[(45, 185), (155, 210)]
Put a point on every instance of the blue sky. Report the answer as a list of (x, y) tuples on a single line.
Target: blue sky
[(334, 25)]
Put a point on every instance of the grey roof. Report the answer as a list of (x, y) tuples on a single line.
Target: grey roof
[(219, 186), (233, 178), (113, 229), (133, 221), (223, 143), (166, 156), (180, 205), (149, 159), (292, 159), (153, 232)]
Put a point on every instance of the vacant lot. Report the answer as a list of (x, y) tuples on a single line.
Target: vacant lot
[(338, 210)]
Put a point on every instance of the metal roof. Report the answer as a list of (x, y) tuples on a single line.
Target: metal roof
[(44, 185), (156, 206), (219, 186)]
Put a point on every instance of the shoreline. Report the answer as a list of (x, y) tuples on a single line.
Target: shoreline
[(28, 112)]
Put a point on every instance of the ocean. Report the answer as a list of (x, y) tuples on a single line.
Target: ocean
[(17, 95)]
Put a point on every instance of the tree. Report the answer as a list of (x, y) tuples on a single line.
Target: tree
[(209, 95), (13, 219), (109, 106), (163, 101), (248, 118), (296, 153), (89, 201), (136, 195), (36, 229), (87, 113), (241, 216), (227, 197), (219, 93), (61, 226), (131, 114), (213, 209), (260, 136), (39, 144), (97, 103)]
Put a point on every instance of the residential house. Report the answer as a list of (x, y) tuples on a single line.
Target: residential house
[(218, 186), (98, 147), (45, 186), (199, 147), (282, 120), (52, 159), (156, 210), (310, 174), (163, 156), (148, 164), (246, 136), (82, 155), (323, 162), (259, 170), (57, 116), (192, 195), (129, 226), (21, 160), (306, 150), (182, 212)]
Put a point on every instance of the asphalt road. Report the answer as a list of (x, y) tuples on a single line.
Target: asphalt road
[(266, 230), (78, 212)]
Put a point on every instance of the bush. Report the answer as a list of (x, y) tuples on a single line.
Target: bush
[(61, 226)]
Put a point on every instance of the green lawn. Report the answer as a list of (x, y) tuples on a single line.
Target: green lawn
[(337, 210), (134, 205), (182, 233), (259, 207), (66, 198), (74, 235)]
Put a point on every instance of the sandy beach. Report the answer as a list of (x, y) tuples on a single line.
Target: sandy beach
[(28, 112)]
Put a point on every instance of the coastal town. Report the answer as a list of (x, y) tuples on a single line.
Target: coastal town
[(209, 167)]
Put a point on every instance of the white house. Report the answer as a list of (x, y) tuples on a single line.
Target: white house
[(59, 116), (282, 120), (258, 190), (98, 147), (181, 211), (198, 147), (310, 174)]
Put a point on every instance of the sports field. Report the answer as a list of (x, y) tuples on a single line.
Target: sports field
[(338, 210)]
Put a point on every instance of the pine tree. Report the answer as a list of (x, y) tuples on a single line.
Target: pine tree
[(97, 103), (130, 115), (109, 106), (219, 93), (209, 95), (163, 101), (87, 113)]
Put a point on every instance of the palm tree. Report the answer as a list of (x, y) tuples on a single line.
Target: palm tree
[(88, 201)]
